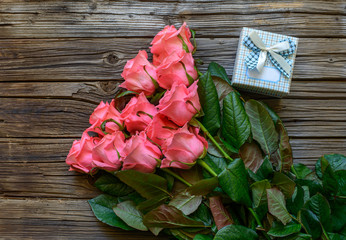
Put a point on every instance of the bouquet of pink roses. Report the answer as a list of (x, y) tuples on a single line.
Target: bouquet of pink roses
[(181, 152)]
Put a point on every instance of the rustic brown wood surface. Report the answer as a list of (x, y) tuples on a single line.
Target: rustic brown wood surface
[(59, 59)]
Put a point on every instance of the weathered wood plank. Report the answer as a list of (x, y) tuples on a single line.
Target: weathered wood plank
[(42, 24), (174, 7), (102, 90), (104, 59), (57, 219), (41, 170), (22, 117)]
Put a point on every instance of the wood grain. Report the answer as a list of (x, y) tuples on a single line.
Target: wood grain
[(174, 7), (58, 19), (104, 59), (57, 219)]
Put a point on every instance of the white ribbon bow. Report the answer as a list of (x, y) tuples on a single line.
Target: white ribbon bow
[(279, 47)]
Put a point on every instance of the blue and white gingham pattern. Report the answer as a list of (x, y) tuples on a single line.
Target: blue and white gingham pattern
[(252, 58), (240, 79)]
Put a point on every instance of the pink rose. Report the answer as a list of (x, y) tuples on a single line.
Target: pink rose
[(140, 154), (105, 111), (138, 113), (160, 129), (80, 155), (176, 68), (180, 103), (138, 74), (183, 149), (107, 152), (167, 42)]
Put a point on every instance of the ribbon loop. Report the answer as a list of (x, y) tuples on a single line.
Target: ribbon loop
[(276, 53)]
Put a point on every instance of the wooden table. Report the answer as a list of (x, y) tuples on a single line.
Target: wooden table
[(59, 59)]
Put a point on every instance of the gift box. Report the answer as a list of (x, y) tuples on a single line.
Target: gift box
[(264, 62)]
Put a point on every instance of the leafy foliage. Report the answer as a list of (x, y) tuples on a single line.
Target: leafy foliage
[(258, 195)]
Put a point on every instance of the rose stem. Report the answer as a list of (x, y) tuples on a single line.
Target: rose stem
[(258, 221), (176, 176), (213, 140), (206, 167)]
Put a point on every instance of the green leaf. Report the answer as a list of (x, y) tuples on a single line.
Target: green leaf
[(236, 232), (202, 214), (234, 183), (186, 202), (338, 213), (334, 236), (220, 215), (277, 205), (265, 170), (203, 237), (259, 192), (123, 94), (295, 203), (210, 103), (229, 147), (152, 203), (285, 150), (298, 236), (134, 196), (111, 185), (235, 126), (284, 183), (216, 163), (280, 230), (216, 70), (329, 182), (178, 234), (272, 113), (102, 207), (340, 177), (251, 154), (320, 207), (149, 185), (301, 170), (213, 150), (166, 216), (262, 126), (336, 161), (128, 212), (313, 185), (203, 187), (310, 222)]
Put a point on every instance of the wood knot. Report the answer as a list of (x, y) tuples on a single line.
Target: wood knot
[(108, 86), (93, 5), (111, 59)]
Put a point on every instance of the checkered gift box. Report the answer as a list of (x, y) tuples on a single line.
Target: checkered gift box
[(272, 79)]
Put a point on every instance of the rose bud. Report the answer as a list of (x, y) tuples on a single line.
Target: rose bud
[(171, 40), (180, 103), (160, 129), (184, 148), (176, 68), (80, 156), (106, 112), (141, 154), (138, 113), (139, 75), (107, 152)]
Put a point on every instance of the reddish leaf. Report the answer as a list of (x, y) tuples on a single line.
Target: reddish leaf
[(251, 154), (220, 214), (285, 149), (166, 216)]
